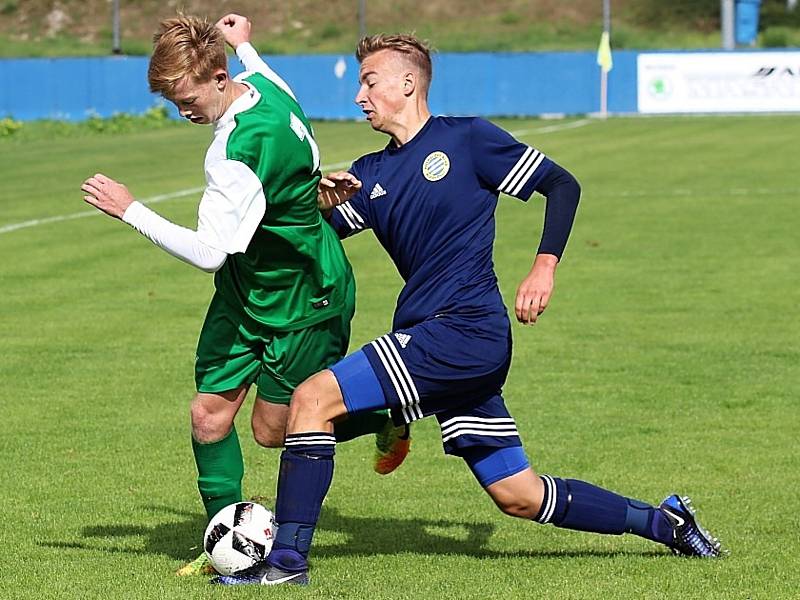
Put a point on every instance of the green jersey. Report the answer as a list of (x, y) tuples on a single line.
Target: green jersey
[(286, 266)]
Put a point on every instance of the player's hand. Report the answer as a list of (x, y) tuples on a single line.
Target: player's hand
[(533, 294), (336, 188), (235, 28), (111, 197)]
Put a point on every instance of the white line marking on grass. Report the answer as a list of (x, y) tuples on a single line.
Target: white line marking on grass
[(91, 213), (151, 200), (552, 128)]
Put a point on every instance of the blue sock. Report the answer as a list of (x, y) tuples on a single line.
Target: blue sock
[(305, 476), (574, 504), (578, 505)]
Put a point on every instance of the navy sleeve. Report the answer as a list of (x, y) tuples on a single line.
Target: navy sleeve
[(504, 164), (563, 193), (351, 217)]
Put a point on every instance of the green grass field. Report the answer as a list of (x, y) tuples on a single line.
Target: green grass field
[(668, 361)]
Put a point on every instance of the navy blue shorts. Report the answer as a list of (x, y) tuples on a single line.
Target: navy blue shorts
[(448, 367)]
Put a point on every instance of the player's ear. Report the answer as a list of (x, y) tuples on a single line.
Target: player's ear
[(409, 83), (221, 78)]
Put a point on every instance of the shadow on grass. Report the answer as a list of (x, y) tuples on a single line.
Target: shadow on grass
[(366, 536)]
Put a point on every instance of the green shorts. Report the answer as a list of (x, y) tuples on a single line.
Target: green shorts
[(235, 350)]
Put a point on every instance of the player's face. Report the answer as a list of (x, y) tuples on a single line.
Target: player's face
[(201, 102), (382, 94)]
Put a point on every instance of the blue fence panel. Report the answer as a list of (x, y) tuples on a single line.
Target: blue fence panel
[(314, 80), (515, 84), (73, 88), (502, 84), (512, 84), (622, 82), (499, 84)]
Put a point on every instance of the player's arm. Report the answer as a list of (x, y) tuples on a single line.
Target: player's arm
[(232, 207), (236, 30), (562, 192), (115, 200), (335, 189), (508, 166), (341, 200)]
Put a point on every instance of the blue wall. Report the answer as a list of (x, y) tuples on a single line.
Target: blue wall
[(73, 88), (487, 84)]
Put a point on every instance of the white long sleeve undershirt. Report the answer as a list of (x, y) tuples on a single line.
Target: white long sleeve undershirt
[(179, 241), (252, 61)]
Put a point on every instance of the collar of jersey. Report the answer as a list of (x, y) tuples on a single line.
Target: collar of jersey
[(392, 149), (244, 102)]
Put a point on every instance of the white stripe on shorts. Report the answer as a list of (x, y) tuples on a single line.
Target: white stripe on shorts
[(484, 426), (400, 377)]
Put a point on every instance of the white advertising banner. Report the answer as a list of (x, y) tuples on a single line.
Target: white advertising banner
[(707, 82)]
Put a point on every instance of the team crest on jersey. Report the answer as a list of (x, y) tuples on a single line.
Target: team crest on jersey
[(436, 166)]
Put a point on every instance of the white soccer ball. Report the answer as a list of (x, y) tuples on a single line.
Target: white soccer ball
[(238, 536)]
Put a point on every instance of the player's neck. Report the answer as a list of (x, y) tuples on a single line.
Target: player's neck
[(232, 93), (410, 125)]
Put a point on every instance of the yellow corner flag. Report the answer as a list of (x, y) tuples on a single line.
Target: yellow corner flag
[(604, 53)]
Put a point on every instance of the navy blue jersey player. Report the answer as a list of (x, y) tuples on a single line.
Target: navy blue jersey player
[(429, 197), (431, 202)]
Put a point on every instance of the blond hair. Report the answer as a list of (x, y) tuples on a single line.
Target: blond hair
[(182, 46), (414, 50)]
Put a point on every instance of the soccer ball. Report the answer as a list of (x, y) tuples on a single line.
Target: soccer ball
[(238, 536)]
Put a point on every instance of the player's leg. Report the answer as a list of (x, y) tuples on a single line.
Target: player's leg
[(227, 363), (573, 504), (392, 442), (269, 422), (307, 462), (582, 506), (269, 429), (288, 359), (393, 372), (218, 458), (485, 435), (215, 444), (305, 476), (350, 387)]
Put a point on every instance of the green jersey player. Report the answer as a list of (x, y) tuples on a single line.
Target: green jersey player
[(284, 288)]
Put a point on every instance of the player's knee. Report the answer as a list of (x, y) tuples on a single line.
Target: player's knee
[(305, 400), (269, 435), (312, 397), (208, 426), (516, 500)]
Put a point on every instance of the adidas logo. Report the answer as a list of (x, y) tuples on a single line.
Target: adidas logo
[(402, 338), (377, 192)]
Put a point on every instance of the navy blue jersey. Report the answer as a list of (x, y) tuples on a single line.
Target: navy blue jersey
[(431, 204)]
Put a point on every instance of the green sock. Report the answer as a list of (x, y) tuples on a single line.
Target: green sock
[(220, 469), (359, 424)]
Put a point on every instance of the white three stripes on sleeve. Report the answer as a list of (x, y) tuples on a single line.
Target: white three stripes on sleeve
[(521, 172), (349, 214)]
